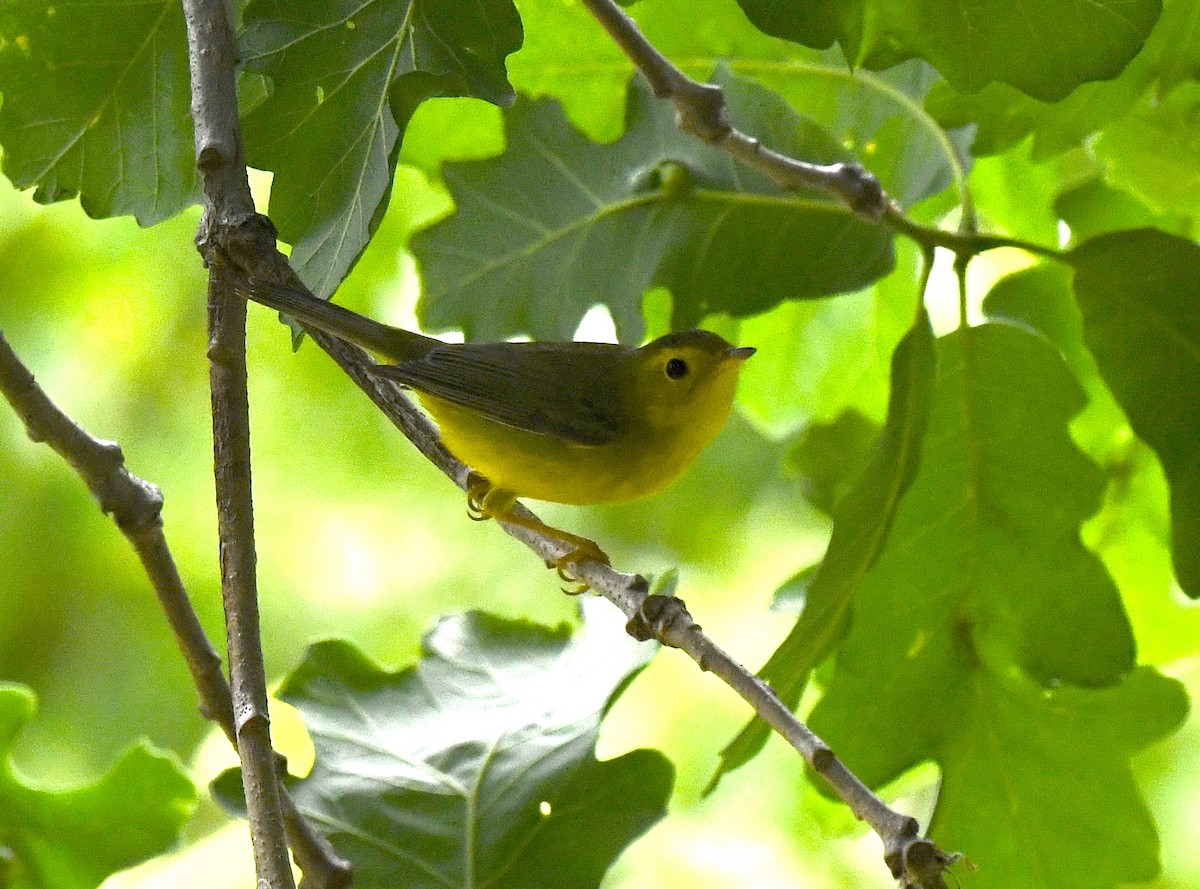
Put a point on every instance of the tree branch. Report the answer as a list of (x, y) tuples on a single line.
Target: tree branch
[(701, 111), (136, 507), (229, 216)]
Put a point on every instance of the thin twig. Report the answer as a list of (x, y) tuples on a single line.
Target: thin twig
[(136, 507), (701, 111)]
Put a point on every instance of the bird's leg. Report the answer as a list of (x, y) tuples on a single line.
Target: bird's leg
[(485, 501)]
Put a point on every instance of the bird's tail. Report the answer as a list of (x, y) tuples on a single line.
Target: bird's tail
[(393, 343)]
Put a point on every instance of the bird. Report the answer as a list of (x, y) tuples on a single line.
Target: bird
[(566, 422)]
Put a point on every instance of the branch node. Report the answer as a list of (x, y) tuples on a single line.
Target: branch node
[(211, 156), (860, 189), (917, 863), (664, 618), (822, 758), (247, 717), (700, 110)]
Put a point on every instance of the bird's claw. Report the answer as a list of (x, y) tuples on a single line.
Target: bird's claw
[(477, 491), (585, 550)]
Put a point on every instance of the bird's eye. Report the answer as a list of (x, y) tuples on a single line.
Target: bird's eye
[(677, 368)]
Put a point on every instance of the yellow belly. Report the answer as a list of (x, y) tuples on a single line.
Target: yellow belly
[(547, 468)]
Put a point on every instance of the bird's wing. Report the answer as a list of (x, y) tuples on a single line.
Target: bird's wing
[(538, 387)]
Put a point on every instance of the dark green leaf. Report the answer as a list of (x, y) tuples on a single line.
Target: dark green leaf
[(817, 24), (96, 104), (1044, 48), (558, 224), (861, 524), (1138, 292), (1004, 116), (346, 78), (477, 766), (74, 839)]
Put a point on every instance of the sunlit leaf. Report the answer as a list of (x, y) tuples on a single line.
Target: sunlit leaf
[(476, 766), (74, 839), (1093, 207), (1153, 151)]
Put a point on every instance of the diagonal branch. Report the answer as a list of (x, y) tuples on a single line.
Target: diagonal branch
[(136, 507), (701, 111)]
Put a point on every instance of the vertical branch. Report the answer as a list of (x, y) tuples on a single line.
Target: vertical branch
[(227, 208), (239, 593)]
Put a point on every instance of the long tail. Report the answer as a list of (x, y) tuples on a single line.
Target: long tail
[(393, 343)]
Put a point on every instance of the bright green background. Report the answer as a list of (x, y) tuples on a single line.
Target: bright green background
[(360, 538)]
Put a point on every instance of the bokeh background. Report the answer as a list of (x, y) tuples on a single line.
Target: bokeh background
[(358, 537)]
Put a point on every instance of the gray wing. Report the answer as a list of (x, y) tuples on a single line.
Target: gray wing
[(537, 387)]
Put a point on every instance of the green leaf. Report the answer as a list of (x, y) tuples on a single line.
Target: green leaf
[(829, 457), (1004, 116), (879, 118), (73, 839), (984, 549), (1044, 48), (1093, 207), (558, 224), (861, 527), (477, 766), (817, 24), (1153, 151), (1040, 299), (1177, 42), (988, 639), (1036, 783), (346, 77), (97, 104), (1138, 292)]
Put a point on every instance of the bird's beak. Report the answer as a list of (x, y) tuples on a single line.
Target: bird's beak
[(740, 353)]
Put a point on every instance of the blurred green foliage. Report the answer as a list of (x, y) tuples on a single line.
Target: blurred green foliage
[(359, 538)]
